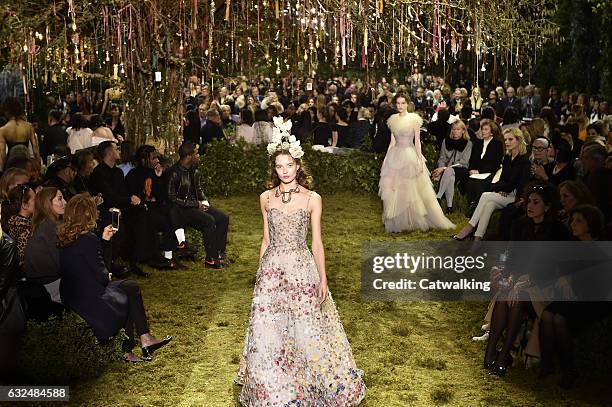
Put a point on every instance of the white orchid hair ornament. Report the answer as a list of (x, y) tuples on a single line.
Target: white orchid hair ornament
[(283, 140)]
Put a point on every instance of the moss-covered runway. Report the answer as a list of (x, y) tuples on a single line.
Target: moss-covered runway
[(412, 353)]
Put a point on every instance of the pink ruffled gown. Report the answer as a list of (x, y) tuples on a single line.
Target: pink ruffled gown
[(409, 200)]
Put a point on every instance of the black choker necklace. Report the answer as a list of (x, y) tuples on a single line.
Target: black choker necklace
[(283, 193)]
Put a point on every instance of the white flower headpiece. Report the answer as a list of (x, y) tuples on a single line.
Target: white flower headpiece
[(283, 140)]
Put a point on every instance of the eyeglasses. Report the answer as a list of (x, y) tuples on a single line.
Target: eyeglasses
[(539, 148)]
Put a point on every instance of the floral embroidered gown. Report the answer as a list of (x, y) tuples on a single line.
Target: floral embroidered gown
[(409, 200), (296, 351)]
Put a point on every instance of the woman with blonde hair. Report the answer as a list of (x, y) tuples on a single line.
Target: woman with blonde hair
[(515, 173), (453, 162), (476, 100), (87, 287), (580, 119)]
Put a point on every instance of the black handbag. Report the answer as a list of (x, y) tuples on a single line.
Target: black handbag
[(13, 318)]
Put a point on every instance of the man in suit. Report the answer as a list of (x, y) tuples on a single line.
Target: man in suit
[(511, 100), (202, 114), (212, 129), (420, 101), (532, 104), (255, 93)]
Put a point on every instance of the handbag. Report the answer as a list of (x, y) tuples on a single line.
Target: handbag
[(13, 318)]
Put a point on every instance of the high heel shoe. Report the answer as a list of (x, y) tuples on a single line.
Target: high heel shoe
[(456, 237), (449, 210), (147, 351), (490, 365)]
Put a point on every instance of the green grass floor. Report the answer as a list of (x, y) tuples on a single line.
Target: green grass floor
[(413, 353)]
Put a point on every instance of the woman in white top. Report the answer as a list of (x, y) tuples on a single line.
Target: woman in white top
[(79, 135)]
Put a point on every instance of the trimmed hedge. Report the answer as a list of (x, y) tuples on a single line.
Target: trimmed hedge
[(63, 350), (228, 169)]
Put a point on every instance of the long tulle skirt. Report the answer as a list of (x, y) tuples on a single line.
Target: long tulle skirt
[(409, 200)]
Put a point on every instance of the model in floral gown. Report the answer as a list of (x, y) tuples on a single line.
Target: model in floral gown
[(296, 351), (409, 200)]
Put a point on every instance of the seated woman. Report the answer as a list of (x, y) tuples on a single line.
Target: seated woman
[(87, 287), (17, 213), (84, 165), (540, 221), (453, 163), (515, 173), (41, 253), (561, 318), (486, 157), (572, 194), (563, 168)]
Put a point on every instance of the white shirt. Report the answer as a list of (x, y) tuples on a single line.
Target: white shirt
[(485, 144)]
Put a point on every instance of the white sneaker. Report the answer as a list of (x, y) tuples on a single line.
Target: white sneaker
[(482, 338), (485, 327)]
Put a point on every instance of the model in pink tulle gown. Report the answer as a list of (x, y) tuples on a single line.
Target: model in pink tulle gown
[(409, 200)]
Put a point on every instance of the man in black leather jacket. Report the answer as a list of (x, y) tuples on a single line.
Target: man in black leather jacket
[(191, 208)]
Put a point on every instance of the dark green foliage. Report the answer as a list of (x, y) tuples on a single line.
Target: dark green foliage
[(228, 169), (60, 351), (581, 59)]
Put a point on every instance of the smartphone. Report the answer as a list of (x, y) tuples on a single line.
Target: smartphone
[(309, 86), (115, 216)]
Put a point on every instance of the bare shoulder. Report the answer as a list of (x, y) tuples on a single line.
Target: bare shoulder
[(264, 196), (314, 199)]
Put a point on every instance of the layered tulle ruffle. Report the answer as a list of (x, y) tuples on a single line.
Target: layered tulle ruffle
[(409, 200)]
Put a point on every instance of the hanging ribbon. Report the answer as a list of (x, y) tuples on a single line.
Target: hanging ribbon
[(258, 24), (343, 31)]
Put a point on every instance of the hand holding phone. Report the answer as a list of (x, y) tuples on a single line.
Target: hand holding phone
[(115, 218)]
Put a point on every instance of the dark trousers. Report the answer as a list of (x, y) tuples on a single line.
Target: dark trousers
[(475, 187), (160, 221), (212, 224), (136, 240), (508, 216), (461, 178), (136, 313)]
